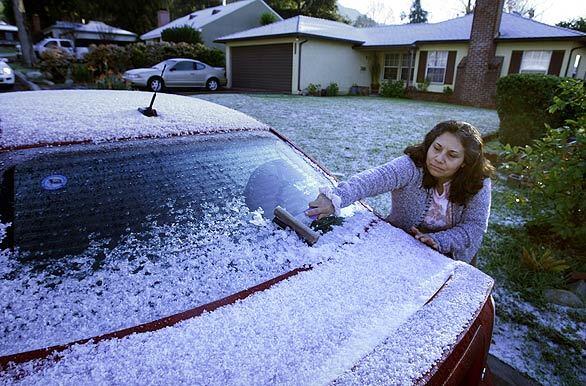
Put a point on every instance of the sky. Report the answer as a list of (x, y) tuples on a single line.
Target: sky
[(389, 11)]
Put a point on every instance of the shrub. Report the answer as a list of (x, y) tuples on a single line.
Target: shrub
[(56, 62), (425, 85), (184, 34), (111, 81), (314, 89), (117, 59), (554, 169), (448, 90), (267, 18), (392, 89), (332, 89), (81, 73), (105, 58), (522, 104)]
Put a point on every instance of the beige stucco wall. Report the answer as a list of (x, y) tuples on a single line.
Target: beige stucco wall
[(258, 43), (461, 51), (505, 49), (326, 61)]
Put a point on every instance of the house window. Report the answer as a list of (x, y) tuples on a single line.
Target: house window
[(407, 68), (535, 62), (9, 36), (391, 66), (437, 62), (576, 66)]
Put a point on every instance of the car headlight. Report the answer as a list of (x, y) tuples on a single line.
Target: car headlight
[(7, 71), (132, 76)]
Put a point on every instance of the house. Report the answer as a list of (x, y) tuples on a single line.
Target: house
[(93, 32), (8, 34), (466, 53), (218, 21)]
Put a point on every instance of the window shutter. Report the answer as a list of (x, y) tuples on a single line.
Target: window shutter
[(422, 66), (515, 64), (450, 67), (555, 63)]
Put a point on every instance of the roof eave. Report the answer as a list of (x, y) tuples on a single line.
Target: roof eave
[(541, 38), (288, 34)]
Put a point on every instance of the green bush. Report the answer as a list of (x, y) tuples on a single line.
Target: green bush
[(392, 89), (425, 85), (522, 102), (81, 73), (105, 58), (314, 89), (111, 81), (56, 62), (332, 89), (554, 167), (184, 34), (448, 90), (267, 18)]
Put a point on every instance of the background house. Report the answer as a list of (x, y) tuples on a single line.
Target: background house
[(94, 32), (303, 50), (8, 34), (218, 21)]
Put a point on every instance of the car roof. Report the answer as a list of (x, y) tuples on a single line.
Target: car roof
[(29, 119)]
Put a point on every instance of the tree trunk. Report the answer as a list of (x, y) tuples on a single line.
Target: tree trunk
[(25, 42)]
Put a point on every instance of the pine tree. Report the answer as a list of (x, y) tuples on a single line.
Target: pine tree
[(417, 14)]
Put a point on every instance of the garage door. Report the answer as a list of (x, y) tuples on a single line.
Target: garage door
[(267, 67)]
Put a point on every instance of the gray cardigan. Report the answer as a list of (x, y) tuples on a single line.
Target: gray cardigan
[(411, 202)]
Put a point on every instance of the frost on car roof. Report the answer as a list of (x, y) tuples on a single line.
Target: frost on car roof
[(308, 329), (30, 118)]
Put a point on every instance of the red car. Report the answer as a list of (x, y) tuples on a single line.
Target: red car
[(142, 249)]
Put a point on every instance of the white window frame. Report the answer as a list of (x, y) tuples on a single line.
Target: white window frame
[(392, 64), (437, 60), (408, 64), (535, 62)]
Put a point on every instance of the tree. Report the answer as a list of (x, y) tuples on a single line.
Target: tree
[(184, 34), (417, 14), (325, 9), (364, 21), (525, 8), (468, 6), (25, 43), (578, 24), (267, 18), (379, 10)]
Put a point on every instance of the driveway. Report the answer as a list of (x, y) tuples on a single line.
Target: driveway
[(373, 129)]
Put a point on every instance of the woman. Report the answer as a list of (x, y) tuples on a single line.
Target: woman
[(440, 190)]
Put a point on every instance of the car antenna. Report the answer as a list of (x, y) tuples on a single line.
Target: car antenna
[(149, 111)]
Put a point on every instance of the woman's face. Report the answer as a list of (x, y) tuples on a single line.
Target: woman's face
[(444, 157)]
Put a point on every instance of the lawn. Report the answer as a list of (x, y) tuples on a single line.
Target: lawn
[(350, 134)]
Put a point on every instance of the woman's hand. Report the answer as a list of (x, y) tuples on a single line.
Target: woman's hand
[(425, 239), (320, 207)]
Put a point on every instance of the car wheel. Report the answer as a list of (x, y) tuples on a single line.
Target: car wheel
[(156, 84), (212, 84)]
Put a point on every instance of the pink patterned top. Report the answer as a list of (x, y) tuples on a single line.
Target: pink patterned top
[(439, 215)]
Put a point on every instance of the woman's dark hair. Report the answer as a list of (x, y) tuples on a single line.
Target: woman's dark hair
[(469, 179)]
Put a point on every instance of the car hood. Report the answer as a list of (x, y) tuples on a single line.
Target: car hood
[(142, 71), (369, 281)]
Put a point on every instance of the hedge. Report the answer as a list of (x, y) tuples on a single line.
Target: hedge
[(111, 58), (522, 102)]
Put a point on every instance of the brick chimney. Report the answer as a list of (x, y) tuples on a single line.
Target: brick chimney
[(480, 69), (162, 17)]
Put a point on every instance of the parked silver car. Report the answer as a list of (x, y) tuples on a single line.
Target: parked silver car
[(6, 75), (178, 73)]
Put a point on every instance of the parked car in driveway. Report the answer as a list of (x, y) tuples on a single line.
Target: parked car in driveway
[(178, 73), (7, 76), (114, 224), (65, 45)]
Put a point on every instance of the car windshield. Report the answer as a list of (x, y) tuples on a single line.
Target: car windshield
[(108, 236), (168, 63)]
